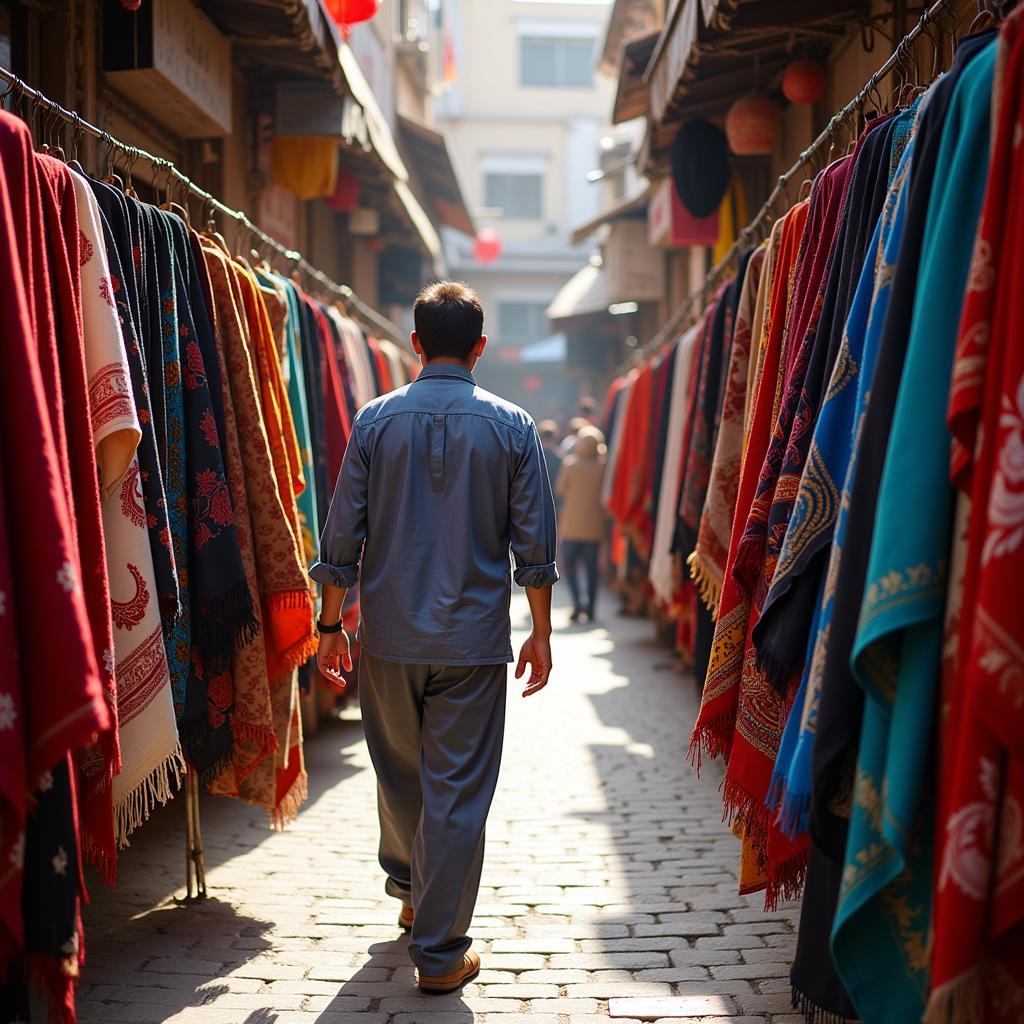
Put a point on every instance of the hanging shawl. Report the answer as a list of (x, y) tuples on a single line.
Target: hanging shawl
[(313, 384), (42, 583), (219, 610), (338, 423), (280, 577), (664, 368), (150, 752), (252, 724), (716, 723), (881, 929), (799, 522), (662, 565), (815, 982), (978, 953), (707, 563), (72, 397), (841, 703), (626, 487), (121, 241)]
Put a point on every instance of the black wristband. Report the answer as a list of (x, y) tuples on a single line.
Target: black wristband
[(336, 628)]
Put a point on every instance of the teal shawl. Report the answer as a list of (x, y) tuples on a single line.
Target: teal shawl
[(830, 461), (880, 934), (295, 377)]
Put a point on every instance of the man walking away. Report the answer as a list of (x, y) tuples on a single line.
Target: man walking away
[(439, 482)]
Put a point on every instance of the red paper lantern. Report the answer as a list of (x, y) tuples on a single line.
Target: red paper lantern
[(375, 244), (131, 5), (487, 247), (351, 12), (803, 82), (345, 197), (753, 126)]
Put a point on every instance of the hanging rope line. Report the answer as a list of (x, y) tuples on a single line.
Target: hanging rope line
[(133, 153), (829, 133)]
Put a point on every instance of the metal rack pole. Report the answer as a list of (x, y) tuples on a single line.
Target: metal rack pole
[(369, 315), (828, 133)]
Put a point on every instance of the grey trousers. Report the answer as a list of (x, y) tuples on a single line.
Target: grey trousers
[(435, 735)]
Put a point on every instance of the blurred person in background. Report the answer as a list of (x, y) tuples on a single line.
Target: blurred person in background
[(576, 424), (552, 454), (582, 519)]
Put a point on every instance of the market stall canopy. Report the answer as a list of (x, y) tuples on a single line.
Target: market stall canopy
[(584, 294), (632, 95), (430, 155), (629, 206), (549, 350), (710, 51), (628, 20)]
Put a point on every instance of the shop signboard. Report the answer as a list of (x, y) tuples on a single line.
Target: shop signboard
[(635, 271), (171, 61)]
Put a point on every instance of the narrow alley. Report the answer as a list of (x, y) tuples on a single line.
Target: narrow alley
[(609, 888)]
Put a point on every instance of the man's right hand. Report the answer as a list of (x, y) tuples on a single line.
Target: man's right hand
[(537, 653), (333, 655)]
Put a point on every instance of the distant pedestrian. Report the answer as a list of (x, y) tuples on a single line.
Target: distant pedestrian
[(582, 522), (552, 454), (576, 424)]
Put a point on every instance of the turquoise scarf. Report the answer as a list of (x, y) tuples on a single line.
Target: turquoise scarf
[(880, 934)]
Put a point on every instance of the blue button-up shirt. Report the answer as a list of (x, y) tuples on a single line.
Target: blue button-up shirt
[(440, 481)]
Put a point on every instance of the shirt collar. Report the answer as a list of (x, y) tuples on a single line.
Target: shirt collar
[(448, 371)]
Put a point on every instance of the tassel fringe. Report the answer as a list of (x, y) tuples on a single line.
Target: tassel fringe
[(960, 1001), (288, 807), (155, 789), (775, 671), (786, 881), (101, 860), (709, 587), (224, 625), (814, 1014), (714, 738)]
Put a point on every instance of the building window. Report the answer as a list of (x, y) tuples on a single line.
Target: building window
[(556, 62), (522, 323), (518, 195)]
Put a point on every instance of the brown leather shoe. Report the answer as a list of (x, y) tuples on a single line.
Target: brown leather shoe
[(450, 982), (405, 918)]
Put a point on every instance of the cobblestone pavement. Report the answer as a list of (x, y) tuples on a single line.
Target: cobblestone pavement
[(609, 890)]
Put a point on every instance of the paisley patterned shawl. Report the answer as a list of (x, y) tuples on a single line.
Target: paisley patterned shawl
[(834, 438), (798, 523), (978, 958), (707, 565), (716, 722), (880, 935)]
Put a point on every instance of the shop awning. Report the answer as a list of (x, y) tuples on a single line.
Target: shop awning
[(626, 207), (434, 164), (550, 350), (710, 51), (584, 294), (632, 94)]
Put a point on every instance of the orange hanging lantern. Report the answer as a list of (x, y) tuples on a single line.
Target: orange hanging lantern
[(753, 126), (351, 12), (487, 247), (803, 82)]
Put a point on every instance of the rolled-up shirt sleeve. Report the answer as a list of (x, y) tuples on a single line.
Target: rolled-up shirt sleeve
[(344, 533), (532, 517)]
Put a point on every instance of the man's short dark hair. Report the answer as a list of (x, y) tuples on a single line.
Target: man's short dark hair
[(449, 318)]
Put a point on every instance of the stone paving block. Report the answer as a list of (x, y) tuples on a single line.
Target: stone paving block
[(607, 989), (752, 971), (541, 945), (680, 1006), (567, 1006), (703, 957), (597, 961)]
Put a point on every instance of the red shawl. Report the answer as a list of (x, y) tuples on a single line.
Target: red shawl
[(716, 723), (626, 496), (978, 948), (336, 420), (40, 572), (69, 387)]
